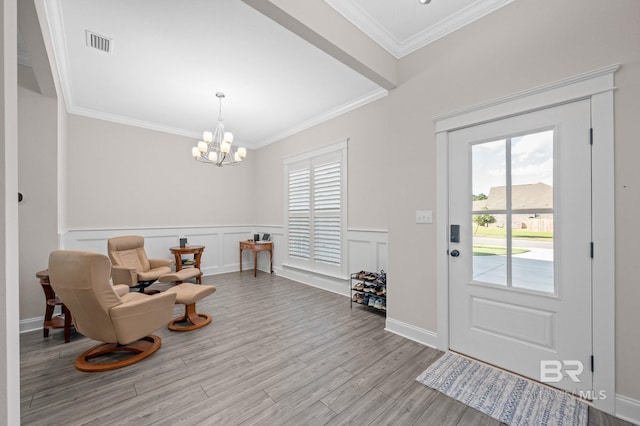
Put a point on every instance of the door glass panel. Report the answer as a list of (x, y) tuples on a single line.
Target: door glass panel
[(532, 211), (488, 166), (512, 211)]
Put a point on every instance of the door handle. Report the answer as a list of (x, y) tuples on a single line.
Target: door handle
[(455, 253)]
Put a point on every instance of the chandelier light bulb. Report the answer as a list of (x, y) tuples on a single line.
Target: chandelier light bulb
[(215, 147)]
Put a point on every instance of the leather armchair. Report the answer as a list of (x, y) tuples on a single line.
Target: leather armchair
[(130, 264), (110, 314)]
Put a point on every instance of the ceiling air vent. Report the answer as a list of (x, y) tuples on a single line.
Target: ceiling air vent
[(99, 42)]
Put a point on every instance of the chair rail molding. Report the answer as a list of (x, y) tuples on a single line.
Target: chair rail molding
[(221, 243), (366, 249)]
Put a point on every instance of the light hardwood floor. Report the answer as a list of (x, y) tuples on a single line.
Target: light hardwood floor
[(277, 353)]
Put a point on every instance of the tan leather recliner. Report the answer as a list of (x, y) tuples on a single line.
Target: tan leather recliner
[(131, 265), (111, 314)]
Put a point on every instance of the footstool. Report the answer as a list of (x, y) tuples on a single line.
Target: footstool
[(188, 294), (181, 275)]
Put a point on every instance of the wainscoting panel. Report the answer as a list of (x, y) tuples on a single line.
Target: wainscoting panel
[(221, 242), (381, 255), (157, 246), (367, 250), (276, 234), (210, 260), (231, 249)]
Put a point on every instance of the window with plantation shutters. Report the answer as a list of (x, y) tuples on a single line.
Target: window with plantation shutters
[(327, 221), (299, 213), (315, 209)]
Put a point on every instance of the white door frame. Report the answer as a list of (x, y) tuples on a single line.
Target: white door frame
[(598, 86)]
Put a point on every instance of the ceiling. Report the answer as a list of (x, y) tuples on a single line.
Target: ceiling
[(168, 59), (402, 27)]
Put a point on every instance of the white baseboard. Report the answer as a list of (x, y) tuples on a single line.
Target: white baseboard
[(411, 332), (628, 409), (206, 271), (324, 282), (31, 324)]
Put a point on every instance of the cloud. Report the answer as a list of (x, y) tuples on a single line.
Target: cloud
[(531, 161)]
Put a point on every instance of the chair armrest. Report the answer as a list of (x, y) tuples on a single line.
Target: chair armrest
[(121, 289), (158, 263), (124, 275), (142, 316)]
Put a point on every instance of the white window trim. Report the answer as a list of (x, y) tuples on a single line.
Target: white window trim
[(339, 148), (598, 86)]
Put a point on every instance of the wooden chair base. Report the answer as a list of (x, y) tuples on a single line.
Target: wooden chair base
[(141, 349), (194, 319)]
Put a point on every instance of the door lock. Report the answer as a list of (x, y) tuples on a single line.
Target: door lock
[(455, 253), (454, 234)]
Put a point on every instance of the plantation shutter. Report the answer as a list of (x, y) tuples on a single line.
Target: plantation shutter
[(299, 213), (315, 210), (327, 216)]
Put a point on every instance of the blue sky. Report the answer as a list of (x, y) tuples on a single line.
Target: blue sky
[(531, 161)]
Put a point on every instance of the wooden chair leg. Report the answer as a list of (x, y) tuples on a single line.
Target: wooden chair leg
[(193, 318), (67, 323), (47, 320)]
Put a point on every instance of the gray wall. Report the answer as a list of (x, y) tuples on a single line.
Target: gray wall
[(524, 45), (368, 131), (120, 176), (37, 180)]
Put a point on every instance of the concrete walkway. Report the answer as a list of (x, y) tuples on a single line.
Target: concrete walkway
[(532, 270)]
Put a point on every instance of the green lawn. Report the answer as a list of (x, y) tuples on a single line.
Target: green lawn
[(516, 233), (486, 250)]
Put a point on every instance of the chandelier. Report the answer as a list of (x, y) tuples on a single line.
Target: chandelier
[(215, 148)]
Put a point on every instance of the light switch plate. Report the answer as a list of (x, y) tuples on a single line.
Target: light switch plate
[(424, 216)]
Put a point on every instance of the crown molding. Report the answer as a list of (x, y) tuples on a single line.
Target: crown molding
[(367, 24), (342, 109), (401, 48), (120, 119), (454, 22), (55, 20), (335, 112)]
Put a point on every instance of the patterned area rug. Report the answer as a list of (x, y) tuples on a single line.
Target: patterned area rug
[(501, 395)]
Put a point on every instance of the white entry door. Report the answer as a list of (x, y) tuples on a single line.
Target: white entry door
[(520, 244)]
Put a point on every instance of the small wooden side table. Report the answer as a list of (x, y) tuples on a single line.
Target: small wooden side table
[(52, 301), (196, 251), (256, 247)]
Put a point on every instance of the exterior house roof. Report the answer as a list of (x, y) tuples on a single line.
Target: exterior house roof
[(523, 197)]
